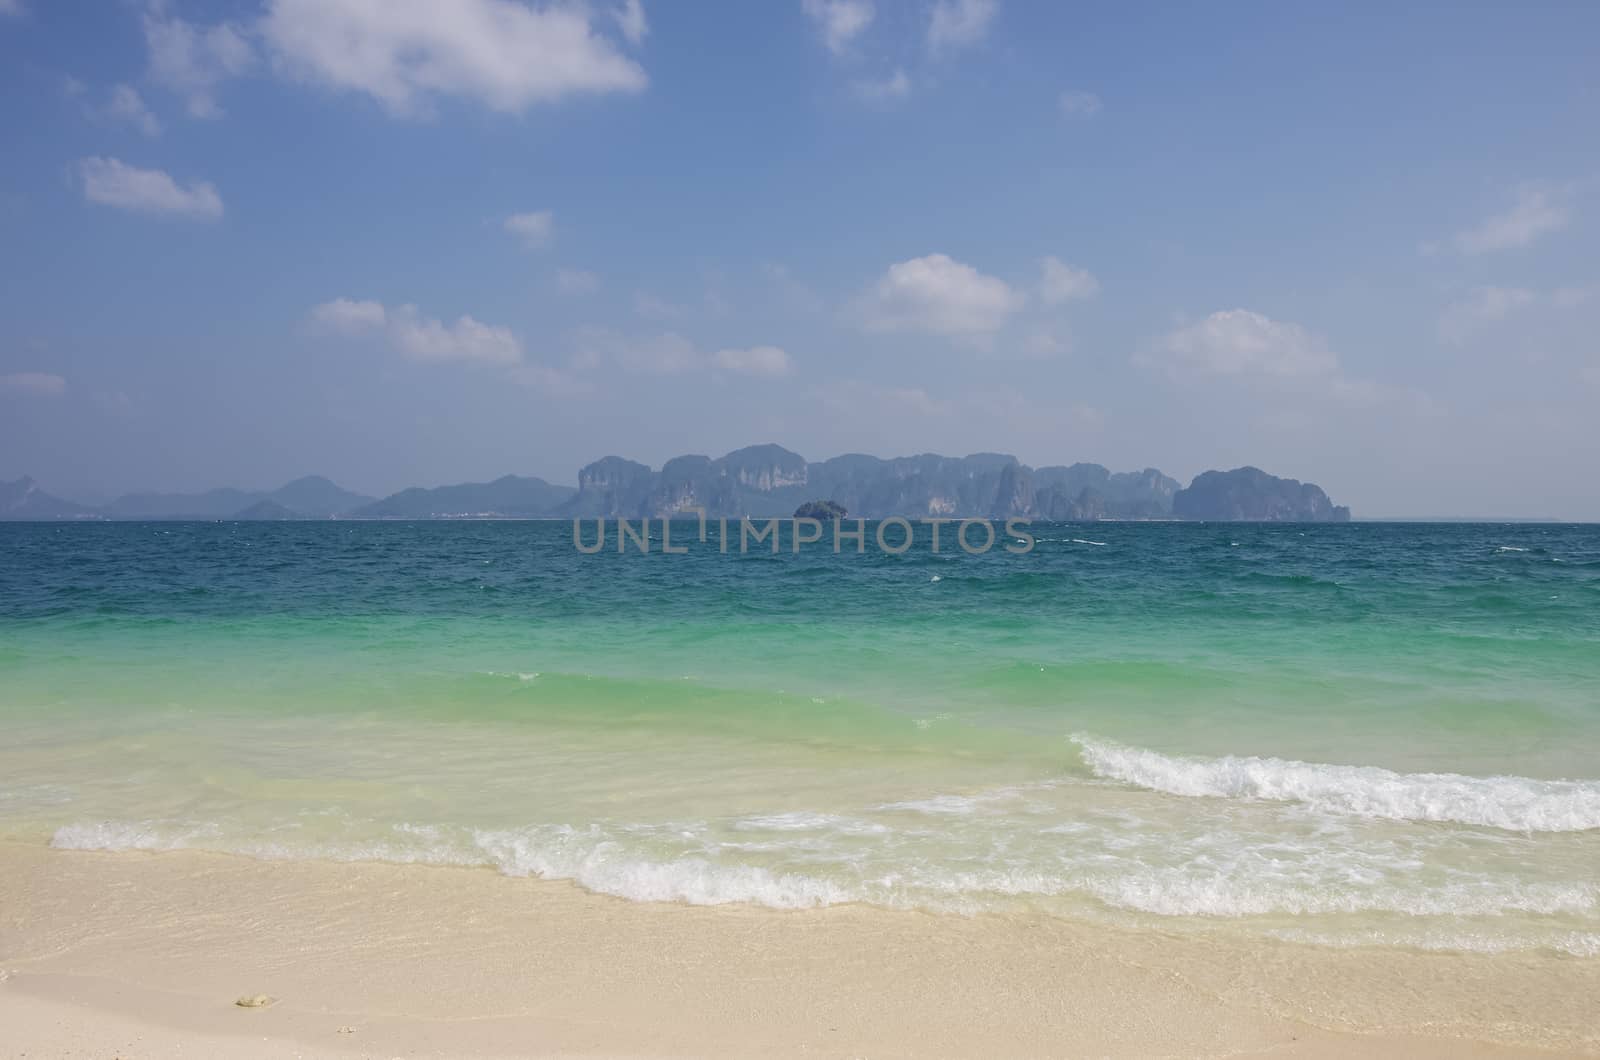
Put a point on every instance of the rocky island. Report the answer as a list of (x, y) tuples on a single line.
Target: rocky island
[(823, 511), (759, 481), (1250, 494)]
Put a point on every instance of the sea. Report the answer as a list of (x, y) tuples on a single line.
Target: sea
[(1362, 734)]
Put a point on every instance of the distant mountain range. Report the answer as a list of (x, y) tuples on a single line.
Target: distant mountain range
[(760, 481)]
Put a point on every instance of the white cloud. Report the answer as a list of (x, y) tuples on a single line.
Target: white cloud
[(418, 337), (1061, 282), (38, 384), (959, 23), (576, 282), (193, 60), (1485, 305), (671, 354), (897, 86), (1239, 342), (534, 229), (632, 22), (127, 105), (1539, 210), (757, 360), (839, 21), (114, 183), (939, 296), (11, 7), (428, 339), (503, 54), (1278, 366), (347, 317), (1080, 104)]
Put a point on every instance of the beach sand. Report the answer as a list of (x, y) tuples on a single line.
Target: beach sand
[(143, 955)]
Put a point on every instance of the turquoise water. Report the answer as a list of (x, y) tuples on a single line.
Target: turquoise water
[(1361, 733)]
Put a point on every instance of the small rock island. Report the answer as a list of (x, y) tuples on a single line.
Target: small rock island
[(823, 511)]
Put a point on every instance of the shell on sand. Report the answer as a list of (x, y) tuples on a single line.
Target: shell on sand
[(255, 1001)]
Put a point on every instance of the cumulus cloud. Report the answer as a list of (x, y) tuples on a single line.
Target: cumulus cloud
[(632, 22), (37, 384), (403, 53), (1061, 282), (11, 7), (1539, 210), (429, 339), (347, 317), (1239, 342), (534, 229), (1481, 307), (193, 60), (127, 105), (839, 21), (419, 337), (939, 296), (1080, 104), (959, 23), (1252, 350), (111, 182)]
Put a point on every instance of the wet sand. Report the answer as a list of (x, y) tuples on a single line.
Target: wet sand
[(144, 955)]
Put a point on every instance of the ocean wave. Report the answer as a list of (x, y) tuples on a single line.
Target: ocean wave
[(628, 861), (1517, 804), (598, 863)]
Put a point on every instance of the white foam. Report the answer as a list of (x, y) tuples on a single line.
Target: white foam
[(1518, 804), (599, 864), (805, 821), (1185, 892), (817, 859), (1085, 541), (128, 835), (937, 805)]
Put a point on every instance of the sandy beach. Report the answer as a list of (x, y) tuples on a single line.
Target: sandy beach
[(144, 955)]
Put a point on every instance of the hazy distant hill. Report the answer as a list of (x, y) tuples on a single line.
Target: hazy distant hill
[(760, 481), (264, 511), (23, 499), (212, 504), (510, 496), (311, 497), (316, 497)]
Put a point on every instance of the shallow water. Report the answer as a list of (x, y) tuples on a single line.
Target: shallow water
[(1362, 733)]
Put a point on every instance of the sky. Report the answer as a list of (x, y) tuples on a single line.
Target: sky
[(422, 242)]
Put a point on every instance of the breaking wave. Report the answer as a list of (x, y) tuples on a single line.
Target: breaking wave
[(1517, 804)]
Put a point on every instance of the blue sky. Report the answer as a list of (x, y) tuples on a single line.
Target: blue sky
[(422, 242)]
